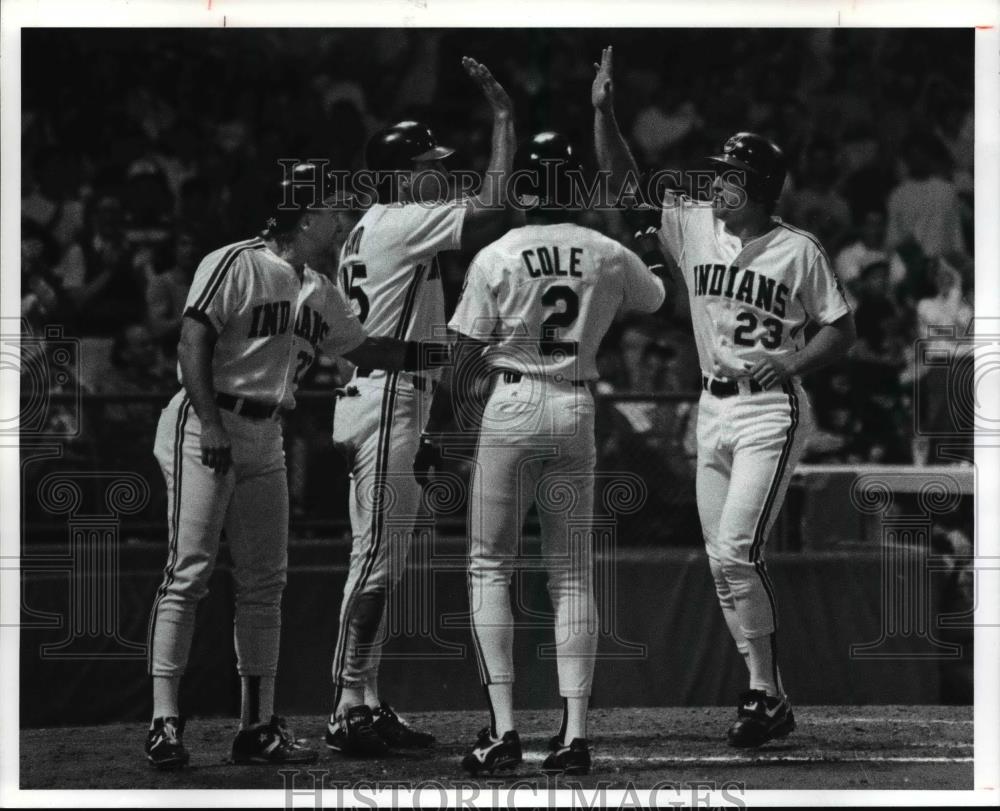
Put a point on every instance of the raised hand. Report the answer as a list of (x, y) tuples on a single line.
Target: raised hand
[(490, 87), (602, 90)]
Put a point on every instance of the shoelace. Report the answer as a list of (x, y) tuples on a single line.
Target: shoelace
[(391, 715), (284, 733)]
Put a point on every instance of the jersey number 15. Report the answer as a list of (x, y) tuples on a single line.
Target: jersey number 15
[(350, 274)]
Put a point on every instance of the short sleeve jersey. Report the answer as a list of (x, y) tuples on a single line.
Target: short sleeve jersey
[(270, 323), (545, 295), (389, 267), (748, 301)]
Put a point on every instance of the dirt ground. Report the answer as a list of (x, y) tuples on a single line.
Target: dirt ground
[(874, 747)]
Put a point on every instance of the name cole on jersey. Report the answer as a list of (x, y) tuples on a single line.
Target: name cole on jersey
[(544, 295), (545, 262)]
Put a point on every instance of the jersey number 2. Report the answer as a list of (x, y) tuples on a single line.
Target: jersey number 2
[(748, 323), (351, 273), (549, 344)]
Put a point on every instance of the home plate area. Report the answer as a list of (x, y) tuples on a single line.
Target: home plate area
[(874, 747)]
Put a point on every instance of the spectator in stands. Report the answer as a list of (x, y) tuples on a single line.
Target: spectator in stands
[(136, 368), (946, 314), (816, 205), (635, 338), (54, 202), (148, 208), (202, 209), (838, 437), (167, 292), (877, 361), (948, 307), (106, 288), (667, 120), (654, 439), (868, 249), (924, 208), (43, 300)]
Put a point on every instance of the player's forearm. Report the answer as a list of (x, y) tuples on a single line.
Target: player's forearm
[(395, 355), (831, 343), (494, 191), (195, 352), (647, 246), (442, 409), (613, 154)]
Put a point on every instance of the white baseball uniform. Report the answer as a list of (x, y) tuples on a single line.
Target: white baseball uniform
[(543, 296), (270, 326), (747, 302), (390, 271)]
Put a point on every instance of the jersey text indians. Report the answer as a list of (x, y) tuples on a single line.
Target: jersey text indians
[(272, 318), (752, 287)]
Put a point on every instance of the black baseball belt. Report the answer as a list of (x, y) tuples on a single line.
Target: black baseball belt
[(510, 376), (727, 388), (245, 407)]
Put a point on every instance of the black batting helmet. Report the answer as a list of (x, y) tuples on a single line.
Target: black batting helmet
[(398, 146), (300, 188), (762, 161), (546, 160)]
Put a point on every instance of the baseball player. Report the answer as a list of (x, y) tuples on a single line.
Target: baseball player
[(389, 269), (255, 318), (754, 283), (536, 304)]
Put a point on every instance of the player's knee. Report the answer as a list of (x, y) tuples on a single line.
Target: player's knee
[(492, 567), (190, 576), (263, 589), (735, 569)]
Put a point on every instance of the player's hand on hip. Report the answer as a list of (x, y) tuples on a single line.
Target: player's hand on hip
[(428, 458), (216, 449), (602, 91), (769, 372), (492, 89)]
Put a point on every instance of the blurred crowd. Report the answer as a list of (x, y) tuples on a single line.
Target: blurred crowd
[(142, 151)]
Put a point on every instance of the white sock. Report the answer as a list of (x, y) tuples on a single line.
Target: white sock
[(349, 697), (574, 718), (501, 698), (165, 692), (371, 695), (763, 665)]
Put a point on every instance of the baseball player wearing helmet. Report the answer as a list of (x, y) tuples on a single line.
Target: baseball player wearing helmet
[(389, 269), (256, 316), (754, 284), (536, 305)]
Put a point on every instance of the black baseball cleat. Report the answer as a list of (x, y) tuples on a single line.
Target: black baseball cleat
[(760, 718), (399, 733), (270, 742), (572, 759), (354, 734), (491, 754), (165, 745)]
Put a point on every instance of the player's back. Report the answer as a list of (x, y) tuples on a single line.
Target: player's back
[(545, 295), (389, 267)]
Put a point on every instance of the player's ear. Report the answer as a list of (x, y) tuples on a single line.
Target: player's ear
[(404, 184)]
